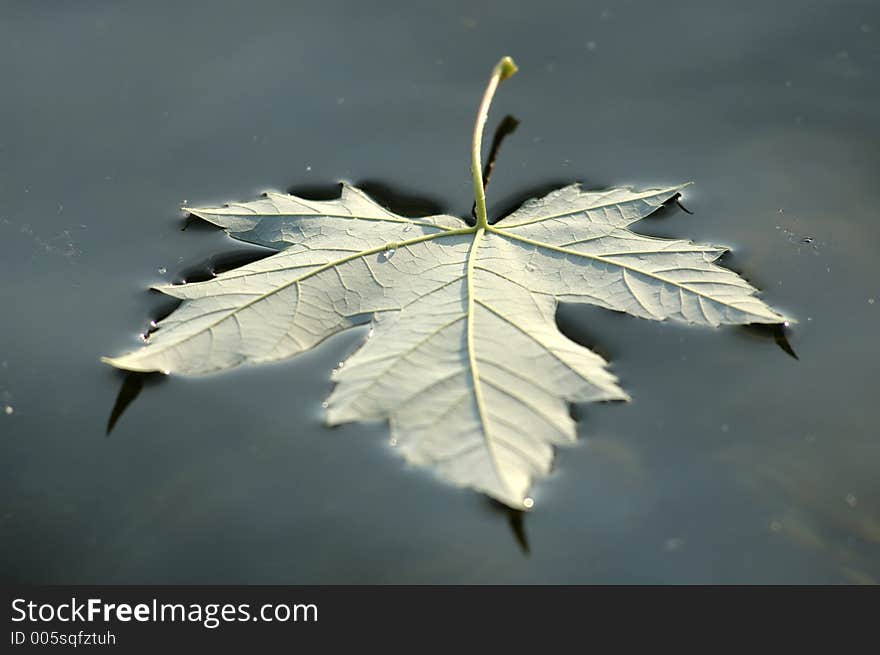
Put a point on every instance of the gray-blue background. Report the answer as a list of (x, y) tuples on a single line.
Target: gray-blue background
[(734, 463)]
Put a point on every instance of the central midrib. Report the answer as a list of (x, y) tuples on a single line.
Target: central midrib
[(472, 356)]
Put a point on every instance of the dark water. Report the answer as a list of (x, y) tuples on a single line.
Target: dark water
[(734, 463)]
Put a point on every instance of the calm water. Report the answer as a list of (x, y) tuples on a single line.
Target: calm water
[(735, 462)]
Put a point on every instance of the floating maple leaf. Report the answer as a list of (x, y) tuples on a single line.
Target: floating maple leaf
[(465, 358)]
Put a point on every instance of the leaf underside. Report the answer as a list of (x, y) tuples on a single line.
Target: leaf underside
[(465, 359)]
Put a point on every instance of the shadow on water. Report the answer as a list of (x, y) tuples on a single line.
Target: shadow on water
[(515, 521), (220, 263), (328, 191), (401, 202), (677, 200), (505, 128), (132, 385), (778, 333), (387, 195), (192, 223)]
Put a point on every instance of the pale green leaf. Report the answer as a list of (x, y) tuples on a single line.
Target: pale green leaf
[(464, 358)]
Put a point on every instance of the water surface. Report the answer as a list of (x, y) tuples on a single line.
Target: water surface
[(735, 463)]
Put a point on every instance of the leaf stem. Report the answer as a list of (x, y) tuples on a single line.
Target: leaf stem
[(503, 69)]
